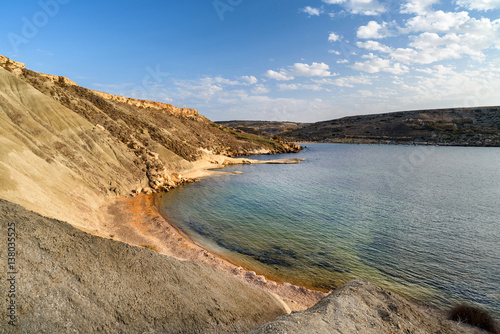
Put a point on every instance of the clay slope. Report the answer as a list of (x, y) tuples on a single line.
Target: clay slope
[(54, 161), (361, 307), (67, 151), (70, 281)]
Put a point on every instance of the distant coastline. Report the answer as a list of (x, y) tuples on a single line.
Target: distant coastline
[(478, 126)]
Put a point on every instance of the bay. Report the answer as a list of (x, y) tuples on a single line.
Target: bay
[(423, 221)]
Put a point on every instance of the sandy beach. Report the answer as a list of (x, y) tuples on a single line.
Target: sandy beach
[(138, 221)]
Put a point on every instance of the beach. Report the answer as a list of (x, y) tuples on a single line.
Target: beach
[(138, 221)]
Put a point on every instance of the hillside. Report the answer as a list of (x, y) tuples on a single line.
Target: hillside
[(69, 281), (458, 126), (263, 128), (90, 147)]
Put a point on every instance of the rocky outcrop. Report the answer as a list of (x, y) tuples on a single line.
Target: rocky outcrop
[(361, 307), (7, 62), (149, 104), (69, 281)]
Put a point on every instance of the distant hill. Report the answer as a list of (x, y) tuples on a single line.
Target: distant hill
[(263, 128), (457, 126)]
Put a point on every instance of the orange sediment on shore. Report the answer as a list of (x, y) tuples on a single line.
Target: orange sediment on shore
[(138, 221)]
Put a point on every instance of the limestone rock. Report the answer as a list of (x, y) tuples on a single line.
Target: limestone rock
[(361, 307)]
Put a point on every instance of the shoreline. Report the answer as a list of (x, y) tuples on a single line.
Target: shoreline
[(138, 221)]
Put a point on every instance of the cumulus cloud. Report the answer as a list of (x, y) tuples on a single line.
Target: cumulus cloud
[(420, 7), (376, 64), (438, 21), (333, 37), (373, 30), (250, 80), (282, 75), (374, 46), (313, 70), (441, 36)]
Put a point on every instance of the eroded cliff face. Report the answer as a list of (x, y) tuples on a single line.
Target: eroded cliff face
[(67, 150)]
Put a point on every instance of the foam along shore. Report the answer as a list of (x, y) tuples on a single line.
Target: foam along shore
[(138, 221)]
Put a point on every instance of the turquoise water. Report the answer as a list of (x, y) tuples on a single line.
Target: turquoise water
[(423, 221)]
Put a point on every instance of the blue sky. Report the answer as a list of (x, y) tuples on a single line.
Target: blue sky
[(262, 59)]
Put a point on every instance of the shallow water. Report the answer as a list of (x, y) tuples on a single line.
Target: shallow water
[(423, 221)]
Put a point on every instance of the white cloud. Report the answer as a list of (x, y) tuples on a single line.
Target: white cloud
[(280, 76), (250, 80), (376, 64), (343, 61), (313, 70), (333, 37), (221, 80), (420, 7), (445, 36), (311, 11), (374, 46), (373, 30), (479, 4), (335, 52), (363, 7), (438, 21), (301, 70), (461, 88), (260, 89), (455, 46)]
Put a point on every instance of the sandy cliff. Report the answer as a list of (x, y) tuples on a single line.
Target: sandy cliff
[(67, 151)]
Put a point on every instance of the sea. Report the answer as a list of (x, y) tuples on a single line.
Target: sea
[(423, 221)]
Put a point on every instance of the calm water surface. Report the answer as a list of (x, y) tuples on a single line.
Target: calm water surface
[(423, 221)]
